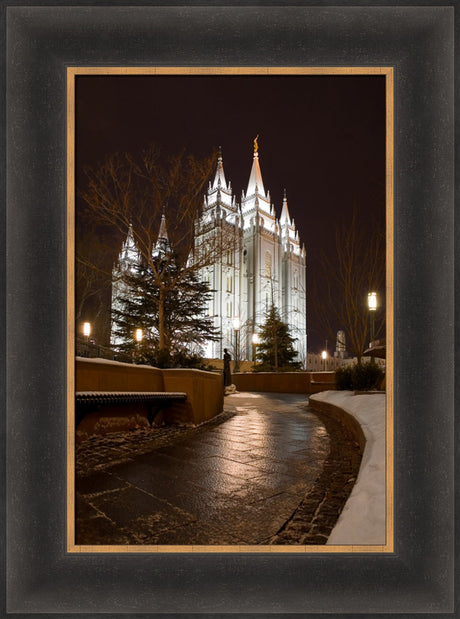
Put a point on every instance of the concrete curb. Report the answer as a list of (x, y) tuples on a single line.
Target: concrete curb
[(342, 416), (363, 519)]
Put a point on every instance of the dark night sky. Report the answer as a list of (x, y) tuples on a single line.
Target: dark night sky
[(320, 137)]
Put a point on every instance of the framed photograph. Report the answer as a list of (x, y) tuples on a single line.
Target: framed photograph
[(66, 73), (130, 208)]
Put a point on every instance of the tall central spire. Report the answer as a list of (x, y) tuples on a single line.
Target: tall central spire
[(256, 184)]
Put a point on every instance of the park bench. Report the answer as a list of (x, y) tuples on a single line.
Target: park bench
[(91, 401)]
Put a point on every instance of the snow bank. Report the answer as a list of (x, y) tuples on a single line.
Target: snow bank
[(99, 360), (363, 519)]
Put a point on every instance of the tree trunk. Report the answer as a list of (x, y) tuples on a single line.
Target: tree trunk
[(162, 343)]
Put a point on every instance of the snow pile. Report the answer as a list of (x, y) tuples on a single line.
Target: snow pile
[(363, 519)]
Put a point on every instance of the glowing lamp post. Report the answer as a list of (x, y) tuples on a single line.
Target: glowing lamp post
[(372, 305), (236, 327), (138, 337), (87, 333), (324, 357), (255, 343)]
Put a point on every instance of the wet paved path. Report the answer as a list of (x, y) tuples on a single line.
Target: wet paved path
[(239, 482)]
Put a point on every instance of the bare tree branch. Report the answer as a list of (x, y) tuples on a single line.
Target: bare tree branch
[(357, 268), (131, 191)]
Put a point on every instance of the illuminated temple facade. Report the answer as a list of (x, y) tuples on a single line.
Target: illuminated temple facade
[(264, 263)]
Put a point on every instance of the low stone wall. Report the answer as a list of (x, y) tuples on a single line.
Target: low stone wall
[(218, 364), (104, 375), (205, 397), (204, 394), (346, 419), (285, 382)]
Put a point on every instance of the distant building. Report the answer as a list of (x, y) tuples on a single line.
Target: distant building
[(340, 345), (315, 362)]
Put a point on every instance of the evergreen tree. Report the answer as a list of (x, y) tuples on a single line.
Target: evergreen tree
[(275, 351), (186, 328)]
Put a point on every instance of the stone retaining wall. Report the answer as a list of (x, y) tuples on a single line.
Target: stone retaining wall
[(285, 382), (204, 393), (341, 415)]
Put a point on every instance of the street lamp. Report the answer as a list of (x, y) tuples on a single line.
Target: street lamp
[(138, 337), (236, 327), (372, 305), (87, 333), (255, 343), (324, 357)]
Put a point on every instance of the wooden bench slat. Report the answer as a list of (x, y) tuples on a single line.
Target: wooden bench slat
[(87, 399)]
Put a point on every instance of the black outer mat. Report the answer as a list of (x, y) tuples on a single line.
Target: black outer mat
[(42, 41)]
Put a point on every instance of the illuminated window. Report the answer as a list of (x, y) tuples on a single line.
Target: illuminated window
[(229, 309), (296, 280), (229, 283), (268, 264)]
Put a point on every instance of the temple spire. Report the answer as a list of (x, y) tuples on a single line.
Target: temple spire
[(256, 184), (162, 244), (219, 179), (163, 233), (285, 217)]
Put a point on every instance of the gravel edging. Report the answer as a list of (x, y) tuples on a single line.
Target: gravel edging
[(317, 514), (97, 453)]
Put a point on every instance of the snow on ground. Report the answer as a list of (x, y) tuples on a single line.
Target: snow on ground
[(363, 519)]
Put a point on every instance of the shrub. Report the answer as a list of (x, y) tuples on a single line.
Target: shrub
[(367, 376), (344, 378), (359, 377)]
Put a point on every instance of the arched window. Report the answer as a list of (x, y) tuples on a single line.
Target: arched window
[(229, 309), (268, 264)]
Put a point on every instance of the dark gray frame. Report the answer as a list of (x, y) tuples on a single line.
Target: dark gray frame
[(41, 577)]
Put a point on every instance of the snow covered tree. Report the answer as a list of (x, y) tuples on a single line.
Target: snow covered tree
[(185, 326), (275, 352)]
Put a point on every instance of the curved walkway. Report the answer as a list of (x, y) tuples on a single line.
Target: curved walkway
[(250, 480)]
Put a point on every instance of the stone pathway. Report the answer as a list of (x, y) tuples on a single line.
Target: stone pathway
[(271, 472)]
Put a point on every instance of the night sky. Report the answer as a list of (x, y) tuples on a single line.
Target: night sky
[(322, 138)]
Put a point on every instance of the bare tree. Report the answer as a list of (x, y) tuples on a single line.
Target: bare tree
[(358, 268), (133, 191)]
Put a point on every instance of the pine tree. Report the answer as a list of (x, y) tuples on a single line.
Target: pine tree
[(185, 324), (275, 351)]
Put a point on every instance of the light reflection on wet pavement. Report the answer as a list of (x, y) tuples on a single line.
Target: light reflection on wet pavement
[(235, 483)]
